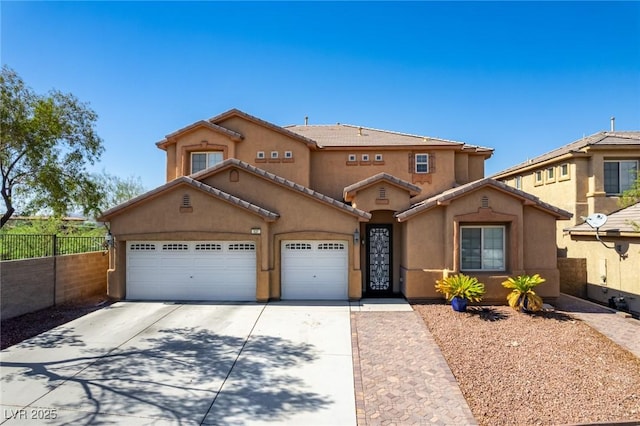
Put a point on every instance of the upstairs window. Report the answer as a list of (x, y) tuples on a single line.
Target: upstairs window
[(204, 160), (539, 177), (518, 182), (551, 173), (619, 176), (422, 163), (564, 170)]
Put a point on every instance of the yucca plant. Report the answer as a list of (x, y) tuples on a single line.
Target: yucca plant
[(522, 296), (460, 288)]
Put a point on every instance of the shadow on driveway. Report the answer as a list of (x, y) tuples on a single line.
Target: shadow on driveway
[(174, 375)]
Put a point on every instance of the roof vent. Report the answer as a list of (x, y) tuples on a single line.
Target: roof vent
[(613, 124), (306, 120), (359, 131)]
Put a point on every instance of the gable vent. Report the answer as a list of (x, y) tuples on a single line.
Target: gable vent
[(382, 193), (485, 202), (186, 200)]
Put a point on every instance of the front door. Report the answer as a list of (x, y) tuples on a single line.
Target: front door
[(379, 261)]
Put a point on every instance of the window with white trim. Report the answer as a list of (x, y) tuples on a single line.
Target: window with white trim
[(204, 160), (274, 154), (422, 163), (551, 173), (352, 157), (518, 182), (482, 248), (378, 157), (260, 155), (619, 176), (365, 157), (288, 154), (564, 170), (539, 177)]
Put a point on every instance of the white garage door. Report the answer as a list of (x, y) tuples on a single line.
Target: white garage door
[(314, 270), (191, 270)]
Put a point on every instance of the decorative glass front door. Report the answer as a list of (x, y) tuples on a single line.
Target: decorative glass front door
[(379, 265)]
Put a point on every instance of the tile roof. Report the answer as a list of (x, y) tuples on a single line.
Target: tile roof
[(461, 190), (620, 221), (597, 139), (353, 188), (202, 123), (236, 112), (281, 181), (346, 135), (253, 208)]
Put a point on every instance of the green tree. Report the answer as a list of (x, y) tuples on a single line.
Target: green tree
[(46, 143), (629, 198), (631, 195), (117, 190)]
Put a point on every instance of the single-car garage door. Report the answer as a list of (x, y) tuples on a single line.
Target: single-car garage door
[(314, 270), (191, 270)]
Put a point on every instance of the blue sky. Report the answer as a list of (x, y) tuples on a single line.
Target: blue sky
[(520, 77)]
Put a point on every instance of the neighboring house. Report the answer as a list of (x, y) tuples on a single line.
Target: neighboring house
[(587, 177), (584, 177), (255, 211), (613, 258)]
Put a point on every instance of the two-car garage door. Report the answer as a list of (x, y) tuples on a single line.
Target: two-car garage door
[(191, 270)]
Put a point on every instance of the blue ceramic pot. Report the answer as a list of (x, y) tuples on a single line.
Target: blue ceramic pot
[(459, 304)]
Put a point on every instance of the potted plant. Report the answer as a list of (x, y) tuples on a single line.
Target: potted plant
[(459, 289), (522, 297)]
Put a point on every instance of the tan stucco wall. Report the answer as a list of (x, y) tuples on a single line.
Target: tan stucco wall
[(368, 199), (200, 139), (330, 173), (260, 138), (161, 219), (529, 240), (582, 193), (214, 219), (256, 138), (609, 274)]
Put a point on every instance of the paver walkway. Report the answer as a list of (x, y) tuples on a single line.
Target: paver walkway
[(401, 376), (621, 330)]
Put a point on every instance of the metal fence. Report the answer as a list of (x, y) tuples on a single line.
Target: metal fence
[(23, 246)]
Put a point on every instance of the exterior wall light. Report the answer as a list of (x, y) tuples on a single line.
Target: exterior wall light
[(356, 236), (256, 231), (109, 240)]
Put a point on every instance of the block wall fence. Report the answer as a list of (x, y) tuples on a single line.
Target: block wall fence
[(32, 284)]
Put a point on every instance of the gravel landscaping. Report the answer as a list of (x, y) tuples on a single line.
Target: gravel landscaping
[(543, 369), (15, 330)]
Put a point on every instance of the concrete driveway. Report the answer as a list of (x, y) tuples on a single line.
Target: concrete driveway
[(155, 363)]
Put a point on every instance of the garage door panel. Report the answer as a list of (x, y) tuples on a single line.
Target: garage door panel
[(314, 270), (191, 270)]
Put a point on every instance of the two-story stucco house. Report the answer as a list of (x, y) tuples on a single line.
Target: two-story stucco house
[(255, 211), (586, 177)]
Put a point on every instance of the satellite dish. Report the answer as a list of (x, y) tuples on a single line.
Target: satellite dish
[(596, 220)]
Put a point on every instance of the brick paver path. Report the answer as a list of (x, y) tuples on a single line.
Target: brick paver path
[(400, 374), (622, 331)]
